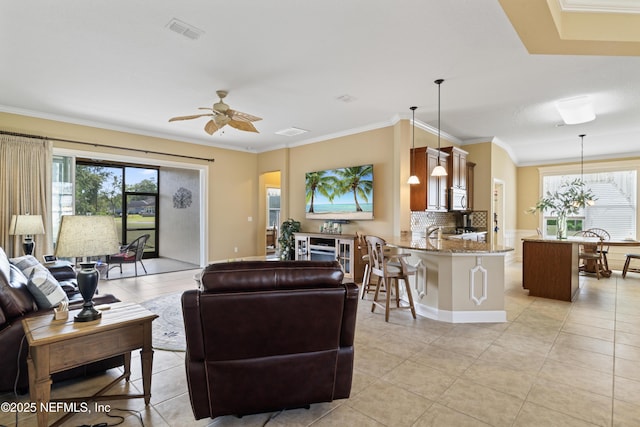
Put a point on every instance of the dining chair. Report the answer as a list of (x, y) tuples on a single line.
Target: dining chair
[(590, 256), (389, 268), (627, 268), (605, 236)]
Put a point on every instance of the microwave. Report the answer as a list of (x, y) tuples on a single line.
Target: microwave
[(457, 199)]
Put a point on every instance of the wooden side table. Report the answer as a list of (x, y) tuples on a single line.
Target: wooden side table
[(57, 345)]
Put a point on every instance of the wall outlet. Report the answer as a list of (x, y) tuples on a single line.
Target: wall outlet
[(250, 219), (235, 249)]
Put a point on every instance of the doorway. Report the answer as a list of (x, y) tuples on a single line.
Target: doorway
[(498, 212), (270, 217)]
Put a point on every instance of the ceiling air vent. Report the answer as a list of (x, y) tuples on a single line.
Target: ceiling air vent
[(292, 131), (187, 30)]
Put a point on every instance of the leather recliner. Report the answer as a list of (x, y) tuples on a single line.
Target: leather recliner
[(268, 335)]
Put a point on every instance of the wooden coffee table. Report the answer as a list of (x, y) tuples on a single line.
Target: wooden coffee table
[(58, 345)]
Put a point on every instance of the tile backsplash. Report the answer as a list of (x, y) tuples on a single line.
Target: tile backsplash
[(420, 220)]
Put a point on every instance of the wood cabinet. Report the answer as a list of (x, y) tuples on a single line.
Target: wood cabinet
[(431, 193), (470, 181), (331, 247), (457, 177), (550, 268), (456, 167)]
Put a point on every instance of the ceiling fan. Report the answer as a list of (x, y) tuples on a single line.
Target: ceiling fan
[(221, 115)]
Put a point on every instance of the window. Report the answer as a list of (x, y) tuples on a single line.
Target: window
[(273, 207), (61, 191), (613, 210)]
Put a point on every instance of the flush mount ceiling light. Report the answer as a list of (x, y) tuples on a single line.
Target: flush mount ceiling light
[(576, 110), (413, 179), (439, 170)]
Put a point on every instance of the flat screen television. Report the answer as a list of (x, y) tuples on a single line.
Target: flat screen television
[(340, 194)]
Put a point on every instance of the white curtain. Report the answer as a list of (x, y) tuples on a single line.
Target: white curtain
[(25, 188)]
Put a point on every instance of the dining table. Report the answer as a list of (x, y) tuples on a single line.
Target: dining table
[(628, 242)]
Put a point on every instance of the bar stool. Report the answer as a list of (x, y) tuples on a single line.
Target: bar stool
[(363, 252), (388, 272), (626, 265)]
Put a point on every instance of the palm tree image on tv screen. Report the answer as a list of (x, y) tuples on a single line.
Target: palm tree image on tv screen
[(340, 194)]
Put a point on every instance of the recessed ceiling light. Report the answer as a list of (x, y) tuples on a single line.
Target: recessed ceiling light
[(187, 30), (292, 131)]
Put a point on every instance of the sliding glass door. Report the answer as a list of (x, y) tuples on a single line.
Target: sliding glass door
[(128, 193)]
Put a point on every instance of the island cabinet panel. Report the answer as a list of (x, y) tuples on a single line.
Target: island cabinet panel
[(431, 193), (457, 281), (549, 269)]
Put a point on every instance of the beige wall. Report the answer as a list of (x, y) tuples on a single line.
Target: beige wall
[(376, 147), (232, 187), (503, 168), (235, 182), (527, 196)]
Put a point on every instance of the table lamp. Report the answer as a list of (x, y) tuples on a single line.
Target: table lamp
[(87, 236), (27, 226)]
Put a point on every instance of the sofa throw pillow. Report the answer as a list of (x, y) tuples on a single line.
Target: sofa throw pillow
[(45, 288), (24, 263)]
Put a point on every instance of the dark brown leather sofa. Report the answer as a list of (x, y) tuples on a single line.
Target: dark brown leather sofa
[(16, 303), (268, 335)]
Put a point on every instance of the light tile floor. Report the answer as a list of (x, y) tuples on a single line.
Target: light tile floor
[(552, 364)]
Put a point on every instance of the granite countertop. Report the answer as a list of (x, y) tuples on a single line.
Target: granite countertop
[(444, 245), (553, 239)]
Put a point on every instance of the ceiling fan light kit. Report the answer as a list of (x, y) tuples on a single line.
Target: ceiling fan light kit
[(221, 115)]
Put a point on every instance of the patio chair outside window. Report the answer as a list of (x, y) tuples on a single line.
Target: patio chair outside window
[(129, 254)]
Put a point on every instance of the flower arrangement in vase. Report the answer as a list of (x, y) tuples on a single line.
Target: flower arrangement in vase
[(567, 200)]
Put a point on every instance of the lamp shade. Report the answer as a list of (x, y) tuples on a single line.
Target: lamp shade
[(23, 225), (413, 180), (439, 171), (85, 236)]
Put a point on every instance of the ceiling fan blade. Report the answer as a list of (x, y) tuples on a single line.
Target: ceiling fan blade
[(173, 119), (211, 127), (239, 115), (243, 125)]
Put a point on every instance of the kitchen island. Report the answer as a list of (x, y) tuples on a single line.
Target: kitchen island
[(550, 266), (458, 281)]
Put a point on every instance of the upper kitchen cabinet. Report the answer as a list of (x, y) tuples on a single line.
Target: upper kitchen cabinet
[(431, 193), (456, 167), (470, 182)]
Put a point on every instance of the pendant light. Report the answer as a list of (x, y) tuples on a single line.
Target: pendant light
[(439, 170), (587, 202), (413, 179)]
